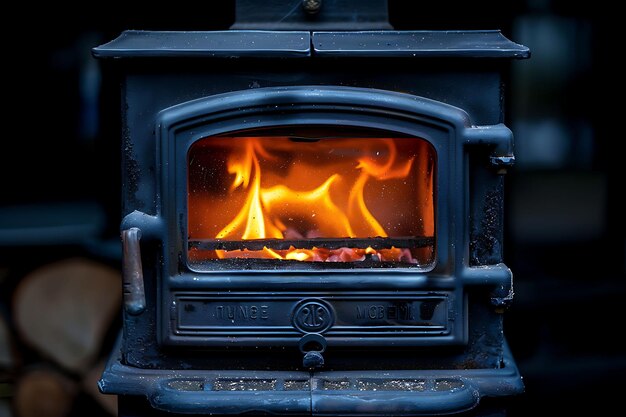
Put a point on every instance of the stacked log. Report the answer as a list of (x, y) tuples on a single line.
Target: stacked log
[(60, 315)]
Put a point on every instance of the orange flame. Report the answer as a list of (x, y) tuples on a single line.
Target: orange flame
[(369, 169), (331, 203), (250, 222)]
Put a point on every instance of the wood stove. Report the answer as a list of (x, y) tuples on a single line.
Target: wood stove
[(312, 217)]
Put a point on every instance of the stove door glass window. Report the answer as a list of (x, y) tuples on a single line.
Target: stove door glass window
[(340, 201)]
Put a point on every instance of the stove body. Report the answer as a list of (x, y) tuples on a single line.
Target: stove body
[(221, 315)]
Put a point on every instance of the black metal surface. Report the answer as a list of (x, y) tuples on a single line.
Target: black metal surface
[(418, 44), (284, 318), (486, 207), (222, 44), (311, 15), (180, 126), (234, 317), (327, 243), (396, 393), (299, 44), (135, 406)]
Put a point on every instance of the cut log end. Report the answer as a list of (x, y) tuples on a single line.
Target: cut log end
[(44, 393), (65, 309)]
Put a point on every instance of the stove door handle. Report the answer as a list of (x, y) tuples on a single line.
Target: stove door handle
[(132, 272)]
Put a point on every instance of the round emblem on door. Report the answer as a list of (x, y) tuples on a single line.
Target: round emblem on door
[(313, 316)]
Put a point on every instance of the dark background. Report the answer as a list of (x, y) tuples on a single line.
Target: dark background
[(566, 240)]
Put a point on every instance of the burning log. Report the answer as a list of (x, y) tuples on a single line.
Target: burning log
[(296, 247), (64, 310), (342, 254), (346, 255)]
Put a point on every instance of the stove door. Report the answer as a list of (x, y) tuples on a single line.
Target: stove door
[(285, 212)]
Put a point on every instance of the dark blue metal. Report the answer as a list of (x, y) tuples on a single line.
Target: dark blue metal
[(206, 331), (297, 44), (369, 393), (417, 44), (217, 44), (184, 124)]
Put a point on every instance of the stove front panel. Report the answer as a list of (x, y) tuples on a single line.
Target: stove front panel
[(221, 186)]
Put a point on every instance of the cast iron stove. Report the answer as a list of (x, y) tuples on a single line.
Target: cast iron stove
[(312, 216)]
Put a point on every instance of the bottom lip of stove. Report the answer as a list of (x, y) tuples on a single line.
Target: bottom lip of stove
[(405, 392)]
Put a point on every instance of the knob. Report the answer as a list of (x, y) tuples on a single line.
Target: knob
[(312, 345)]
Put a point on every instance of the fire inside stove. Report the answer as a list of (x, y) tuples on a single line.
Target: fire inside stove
[(364, 201)]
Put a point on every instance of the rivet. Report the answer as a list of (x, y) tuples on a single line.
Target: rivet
[(312, 6)]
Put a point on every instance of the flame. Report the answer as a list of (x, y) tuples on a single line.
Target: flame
[(369, 168), (299, 205), (250, 222)]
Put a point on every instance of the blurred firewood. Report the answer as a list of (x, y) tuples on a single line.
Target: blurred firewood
[(43, 393), (90, 386), (64, 310), (7, 358)]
